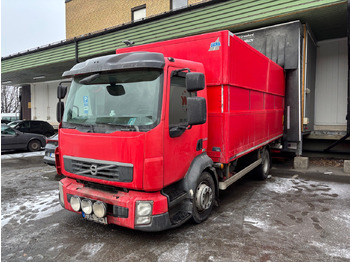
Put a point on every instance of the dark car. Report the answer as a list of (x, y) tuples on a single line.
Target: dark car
[(5, 121), (33, 126), (51, 144), (12, 139)]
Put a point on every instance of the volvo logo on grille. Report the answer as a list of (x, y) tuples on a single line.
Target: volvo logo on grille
[(93, 170)]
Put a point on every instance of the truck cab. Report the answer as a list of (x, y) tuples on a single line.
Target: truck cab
[(132, 127)]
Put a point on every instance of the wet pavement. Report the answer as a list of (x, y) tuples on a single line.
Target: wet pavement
[(292, 216)]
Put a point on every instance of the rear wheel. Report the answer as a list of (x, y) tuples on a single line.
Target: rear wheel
[(204, 198), (263, 170), (34, 145)]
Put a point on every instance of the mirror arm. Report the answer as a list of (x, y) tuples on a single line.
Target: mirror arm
[(178, 71)]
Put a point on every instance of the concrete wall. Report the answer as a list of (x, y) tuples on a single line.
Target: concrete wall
[(331, 85), (84, 17)]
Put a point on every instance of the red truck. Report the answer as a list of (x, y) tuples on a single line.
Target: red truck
[(151, 134)]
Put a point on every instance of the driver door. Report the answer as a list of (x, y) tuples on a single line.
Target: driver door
[(179, 142)]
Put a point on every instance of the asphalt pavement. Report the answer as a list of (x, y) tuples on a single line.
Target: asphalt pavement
[(293, 216)]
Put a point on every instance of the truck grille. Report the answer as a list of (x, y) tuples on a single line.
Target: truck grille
[(106, 170)]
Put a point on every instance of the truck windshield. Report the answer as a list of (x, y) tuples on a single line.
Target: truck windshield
[(128, 100)]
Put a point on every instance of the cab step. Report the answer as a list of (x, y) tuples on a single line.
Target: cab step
[(178, 199), (180, 217)]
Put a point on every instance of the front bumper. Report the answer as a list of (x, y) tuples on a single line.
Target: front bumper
[(120, 205)]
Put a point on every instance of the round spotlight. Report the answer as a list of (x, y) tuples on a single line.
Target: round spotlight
[(86, 206), (75, 203), (100, 209)]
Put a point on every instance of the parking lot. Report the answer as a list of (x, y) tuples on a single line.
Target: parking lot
[(289, 217)]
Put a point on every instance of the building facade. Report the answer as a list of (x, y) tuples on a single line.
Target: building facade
[(84, 17), (100, 27)]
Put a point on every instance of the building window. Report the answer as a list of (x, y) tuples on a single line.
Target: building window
[(138, 13), (176, 4)]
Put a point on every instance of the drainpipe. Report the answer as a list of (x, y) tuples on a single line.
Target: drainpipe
[(348, 111), (77, 51)]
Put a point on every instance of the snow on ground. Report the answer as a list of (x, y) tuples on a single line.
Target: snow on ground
[(340, 250), (177, 253), (19, 155), (279, 185), (32, 207), (88, 250)]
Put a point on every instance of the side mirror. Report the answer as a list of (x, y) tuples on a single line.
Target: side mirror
[(61, 91), (195, 82), (196, 110), (59, 111)]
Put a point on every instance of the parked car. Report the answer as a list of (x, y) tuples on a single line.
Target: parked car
[(5, 121), (51, 144), (12, 139), (33, 126)]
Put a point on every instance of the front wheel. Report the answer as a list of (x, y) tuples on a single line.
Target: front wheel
[(34, 145), (204, 198)]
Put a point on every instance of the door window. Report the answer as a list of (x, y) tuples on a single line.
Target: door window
[(178, 106), (24, 124), (36, 125), (7, 131)]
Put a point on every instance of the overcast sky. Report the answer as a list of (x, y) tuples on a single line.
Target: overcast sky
[(27, 24)]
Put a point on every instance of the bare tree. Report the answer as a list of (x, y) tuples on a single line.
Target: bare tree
[(10, 99)]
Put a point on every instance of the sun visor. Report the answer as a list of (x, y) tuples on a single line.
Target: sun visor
[(117, 62)]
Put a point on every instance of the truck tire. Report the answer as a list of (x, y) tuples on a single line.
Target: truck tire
[(204, 198), (34, 145), (263, 170)]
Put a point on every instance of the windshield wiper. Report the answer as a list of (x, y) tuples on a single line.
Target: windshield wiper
[(91, 129), (131, 128), (126, 127)]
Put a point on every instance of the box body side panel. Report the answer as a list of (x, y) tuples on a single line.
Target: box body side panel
[(245, 91), (251, 112)]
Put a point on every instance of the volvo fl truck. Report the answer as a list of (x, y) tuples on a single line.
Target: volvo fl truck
[(150, 135)]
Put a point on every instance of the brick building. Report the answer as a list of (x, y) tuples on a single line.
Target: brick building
[(84, 17)]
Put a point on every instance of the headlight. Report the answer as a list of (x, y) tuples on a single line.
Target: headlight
[(75, 203), (143, 212), (100, 209), (86, 206), (60, 188)]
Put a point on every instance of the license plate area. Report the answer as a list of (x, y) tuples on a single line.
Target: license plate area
[(96, 219)]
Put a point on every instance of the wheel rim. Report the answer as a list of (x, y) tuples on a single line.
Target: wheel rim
[(204, 197), (35, 146)]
